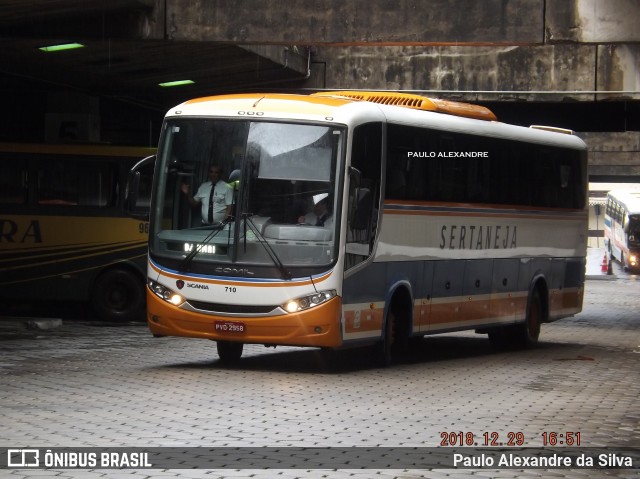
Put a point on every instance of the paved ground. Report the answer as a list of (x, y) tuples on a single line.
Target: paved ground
[(103, 385)]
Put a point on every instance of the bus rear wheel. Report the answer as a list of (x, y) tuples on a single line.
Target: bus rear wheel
[(229, 351), (526, 334), (523, 335), (119, 295)]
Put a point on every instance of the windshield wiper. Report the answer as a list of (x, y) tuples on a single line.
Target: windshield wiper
[(286, 274), (184, 265)]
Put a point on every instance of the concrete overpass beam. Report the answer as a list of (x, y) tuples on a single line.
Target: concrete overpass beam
[(618, 71), (293, 58), (551, 72), (592, 21), (306, 22)]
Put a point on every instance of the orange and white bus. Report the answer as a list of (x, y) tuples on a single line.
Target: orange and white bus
[(65, 231), (622, 228), (444, 219)]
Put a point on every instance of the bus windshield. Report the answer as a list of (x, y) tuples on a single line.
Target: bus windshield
[(272, 202), (634, 230)]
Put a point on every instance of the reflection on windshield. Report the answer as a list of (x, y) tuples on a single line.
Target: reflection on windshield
[(283, 182)]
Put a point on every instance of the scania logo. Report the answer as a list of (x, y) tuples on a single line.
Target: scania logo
[(197, 286), (180, 284)]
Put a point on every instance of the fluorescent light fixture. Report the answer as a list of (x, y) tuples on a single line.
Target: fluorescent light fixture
[(176, 83), (61, 47)]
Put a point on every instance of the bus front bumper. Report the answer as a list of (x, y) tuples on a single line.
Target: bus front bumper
[(315, 327)]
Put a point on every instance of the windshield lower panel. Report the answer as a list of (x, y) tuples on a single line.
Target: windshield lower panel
[(270, 213)]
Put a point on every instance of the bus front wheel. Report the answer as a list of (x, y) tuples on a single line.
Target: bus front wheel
[(119, 295), (394, 341), (229, 351)]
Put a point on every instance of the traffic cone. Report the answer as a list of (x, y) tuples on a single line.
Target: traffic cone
[(605, 264)]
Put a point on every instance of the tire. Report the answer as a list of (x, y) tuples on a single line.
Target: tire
[(119, 295), (523, 335), (229, 351), (384, 354), (526, 335), (394, 342)]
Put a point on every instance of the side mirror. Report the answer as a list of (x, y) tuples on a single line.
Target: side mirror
[(136, 198), (132, 191), (355, 175), (234, 180), (234, 176)]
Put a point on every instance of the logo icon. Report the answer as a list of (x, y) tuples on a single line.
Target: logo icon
[(180, 284), (23, 457)]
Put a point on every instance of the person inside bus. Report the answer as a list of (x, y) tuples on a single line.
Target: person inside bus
[(320, 215), (214, 196)]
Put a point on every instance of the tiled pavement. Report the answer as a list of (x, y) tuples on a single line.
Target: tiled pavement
[(100, 385)]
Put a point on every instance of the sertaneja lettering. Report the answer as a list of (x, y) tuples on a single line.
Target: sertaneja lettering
[(472, 237)]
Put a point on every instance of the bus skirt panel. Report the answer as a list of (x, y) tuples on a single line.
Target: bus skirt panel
[(318, 326)]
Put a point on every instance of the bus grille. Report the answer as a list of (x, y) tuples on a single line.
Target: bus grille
[(231, 308)]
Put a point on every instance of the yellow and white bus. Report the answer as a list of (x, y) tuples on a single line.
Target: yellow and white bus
[(622, 228), (65, 233), (443, 219)]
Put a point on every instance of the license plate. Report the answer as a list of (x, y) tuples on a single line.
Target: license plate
[(229, 327)]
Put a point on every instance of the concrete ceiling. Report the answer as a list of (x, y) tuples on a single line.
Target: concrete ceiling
[(121, 59)]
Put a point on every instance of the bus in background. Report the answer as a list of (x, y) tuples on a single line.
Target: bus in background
[(622, 228), (443, 219), (65, 234)]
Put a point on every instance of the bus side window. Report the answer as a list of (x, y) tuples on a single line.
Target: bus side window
[(75, 183), (57, 183), (94, 181), (396, 184), (13, 183)]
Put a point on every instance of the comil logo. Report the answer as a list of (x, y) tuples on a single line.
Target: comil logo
[(23, 458)]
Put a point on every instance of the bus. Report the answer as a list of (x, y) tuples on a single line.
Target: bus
[(622, 228), (444, 219), (65, 231)]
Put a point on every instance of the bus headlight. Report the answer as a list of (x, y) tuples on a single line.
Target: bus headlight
[(633, 260), (165, 293), (309, 301)]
